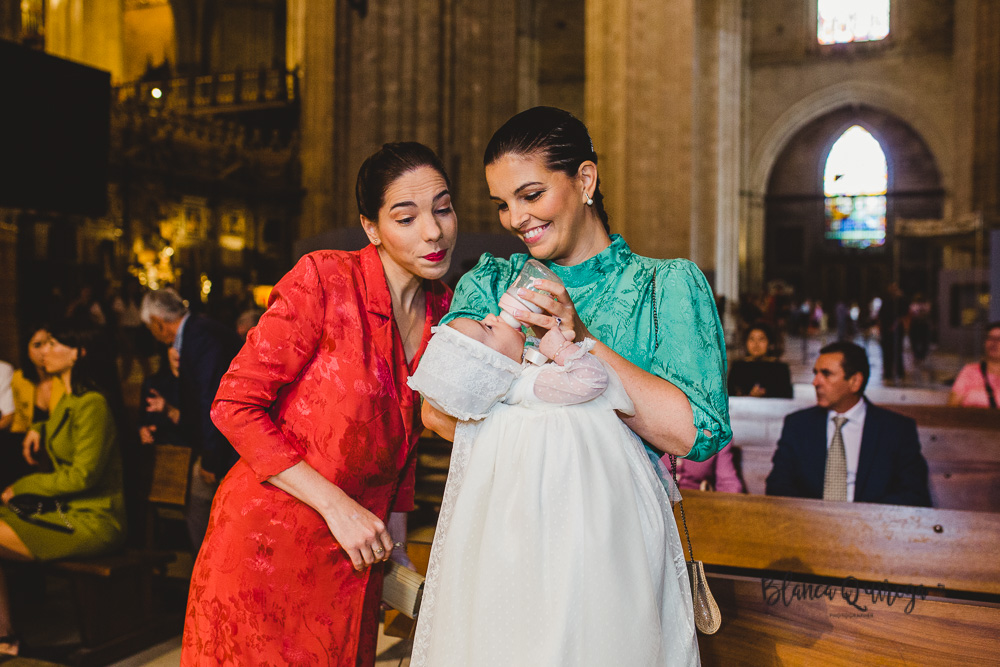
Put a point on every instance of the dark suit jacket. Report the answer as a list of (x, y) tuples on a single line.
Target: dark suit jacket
[(891, 469), (207, 348)]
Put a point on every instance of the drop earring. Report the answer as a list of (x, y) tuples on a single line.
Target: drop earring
[(589, 200)]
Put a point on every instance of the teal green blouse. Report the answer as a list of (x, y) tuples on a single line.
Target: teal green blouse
[(613, 295)]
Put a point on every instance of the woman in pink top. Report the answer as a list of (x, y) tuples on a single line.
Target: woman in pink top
[(716, 474), (978, 383)]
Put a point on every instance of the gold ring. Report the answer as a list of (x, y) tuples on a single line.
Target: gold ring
[(379, 551)]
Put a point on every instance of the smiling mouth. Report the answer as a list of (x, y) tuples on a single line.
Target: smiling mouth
[(535, 233), (436, 256)]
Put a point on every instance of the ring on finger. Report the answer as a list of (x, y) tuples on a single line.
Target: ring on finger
[(558, 321), (378, 551)]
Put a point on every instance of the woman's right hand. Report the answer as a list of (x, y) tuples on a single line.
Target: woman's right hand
[(32, 441), (360, 533)]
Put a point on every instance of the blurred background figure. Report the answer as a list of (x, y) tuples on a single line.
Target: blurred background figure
[(247, 321), (978, 383), (205, 348), (86, 308), (716, 474), (83, 500), (35, 392), (159, 414), (920, 328), (6, 396), (892, 328), (135, 340), (759, 373)]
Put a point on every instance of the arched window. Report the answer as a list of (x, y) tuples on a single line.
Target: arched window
[(855, 182), (841, 21)]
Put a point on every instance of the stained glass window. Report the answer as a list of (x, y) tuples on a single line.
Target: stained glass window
[(855, 182), (841, 21)]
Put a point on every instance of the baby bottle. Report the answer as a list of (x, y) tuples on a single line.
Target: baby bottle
[(532, 353), (509, 302)]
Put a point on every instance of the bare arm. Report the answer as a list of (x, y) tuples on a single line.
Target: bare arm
[(663, 415), (359, 532), (439, 422)]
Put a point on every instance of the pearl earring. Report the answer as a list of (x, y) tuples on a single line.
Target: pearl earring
[(589, 200), (375, 241)]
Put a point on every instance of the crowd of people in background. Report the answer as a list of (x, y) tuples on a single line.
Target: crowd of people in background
[(65, 429), (891, 318)]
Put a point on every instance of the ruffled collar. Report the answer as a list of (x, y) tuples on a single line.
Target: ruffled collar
[(606, 262)]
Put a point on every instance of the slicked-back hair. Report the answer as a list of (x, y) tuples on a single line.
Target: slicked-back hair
[(387, 164), (558, 136)]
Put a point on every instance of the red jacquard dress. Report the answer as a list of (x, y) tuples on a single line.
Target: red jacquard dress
[(322, 378)]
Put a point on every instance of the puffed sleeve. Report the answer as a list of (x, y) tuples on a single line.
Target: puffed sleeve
[(277, 349), (478, 291), (691, 352)]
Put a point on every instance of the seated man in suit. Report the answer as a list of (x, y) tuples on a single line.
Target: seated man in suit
[(846, 448)]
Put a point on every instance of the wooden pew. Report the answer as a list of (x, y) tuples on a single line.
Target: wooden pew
[(924, 583), (961, 445), (113, 596)]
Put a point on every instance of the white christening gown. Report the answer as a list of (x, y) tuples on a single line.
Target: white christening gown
[(556, 544)]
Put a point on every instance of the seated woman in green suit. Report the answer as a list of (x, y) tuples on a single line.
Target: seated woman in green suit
[(80, 437)]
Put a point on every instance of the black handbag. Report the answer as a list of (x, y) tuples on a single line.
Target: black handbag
[(27, 506)]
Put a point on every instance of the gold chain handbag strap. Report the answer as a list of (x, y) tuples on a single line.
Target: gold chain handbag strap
[(707, 617), (673, 459)]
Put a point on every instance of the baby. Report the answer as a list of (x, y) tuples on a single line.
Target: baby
[(573, 376), (542, 471)]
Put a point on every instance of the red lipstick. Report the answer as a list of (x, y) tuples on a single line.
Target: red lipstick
[(437, 256)]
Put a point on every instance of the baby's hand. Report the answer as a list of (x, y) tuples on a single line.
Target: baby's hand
[(555, 341)]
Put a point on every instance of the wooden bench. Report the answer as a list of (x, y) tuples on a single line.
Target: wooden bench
[(113, 596), (961, 445), (924, 583)]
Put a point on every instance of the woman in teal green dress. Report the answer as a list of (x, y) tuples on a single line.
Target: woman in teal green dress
[(81, 441), (655, 321)]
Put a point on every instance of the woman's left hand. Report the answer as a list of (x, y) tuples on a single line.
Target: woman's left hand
[(558, 310), (7, 494)]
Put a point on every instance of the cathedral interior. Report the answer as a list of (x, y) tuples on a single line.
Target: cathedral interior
[(797, 151), (235, 130)]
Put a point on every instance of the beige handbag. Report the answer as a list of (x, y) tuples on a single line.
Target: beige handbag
[(402, 589), (707, 617)]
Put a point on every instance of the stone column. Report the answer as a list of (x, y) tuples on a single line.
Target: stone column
[(639, 106), (10, 20), (717, 147), (663, 100), (446, 73), (87, 31), (977, 131), (314, 52)]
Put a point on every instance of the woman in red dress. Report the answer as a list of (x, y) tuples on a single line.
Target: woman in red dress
[(316, 404)]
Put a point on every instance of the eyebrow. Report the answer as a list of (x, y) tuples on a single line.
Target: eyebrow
[(403, 204), (519, 189)]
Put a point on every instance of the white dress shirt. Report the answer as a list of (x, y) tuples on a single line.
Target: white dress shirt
[(851, 433), (6, 392)]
